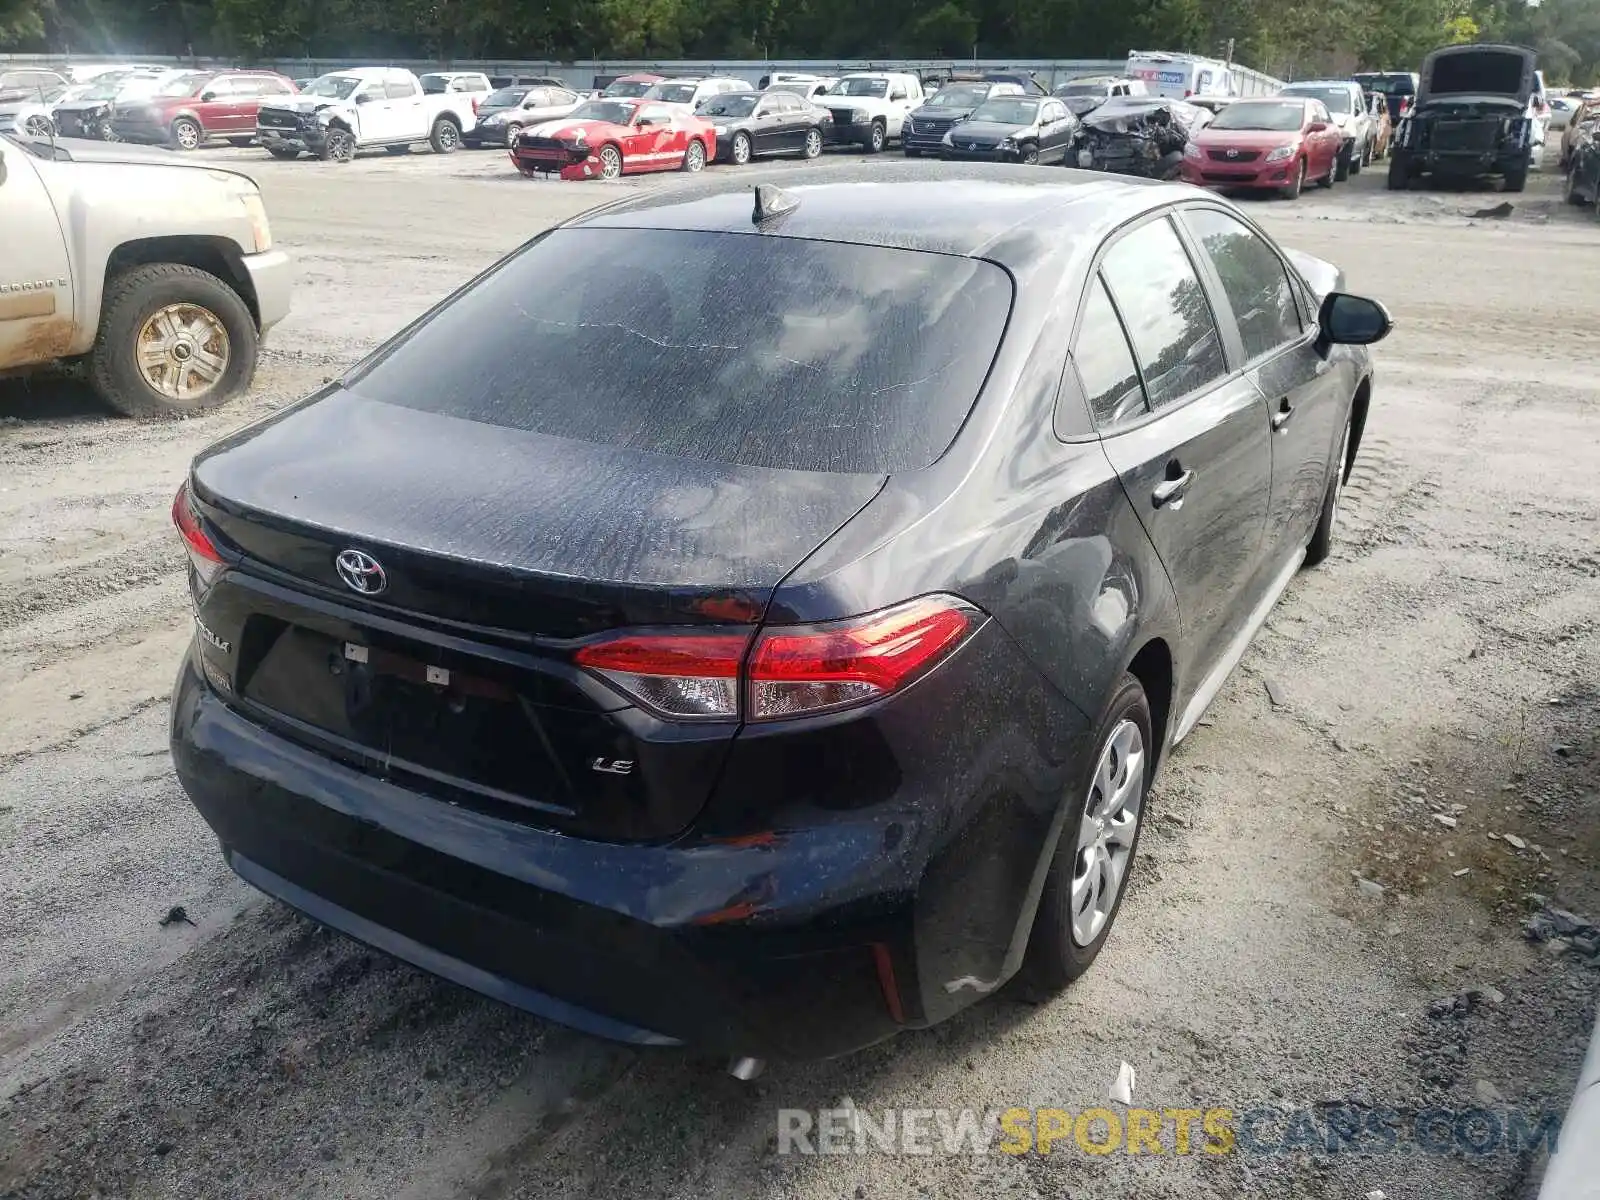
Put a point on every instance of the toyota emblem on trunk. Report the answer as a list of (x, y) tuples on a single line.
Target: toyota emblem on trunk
[(361, 572)]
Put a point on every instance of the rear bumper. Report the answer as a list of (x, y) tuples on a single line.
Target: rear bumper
[(818, 926), (269, 276)]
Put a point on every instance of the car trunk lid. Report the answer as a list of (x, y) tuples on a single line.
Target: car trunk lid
[(500, 551)]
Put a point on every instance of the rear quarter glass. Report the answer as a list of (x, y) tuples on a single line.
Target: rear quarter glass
[(739, 348)]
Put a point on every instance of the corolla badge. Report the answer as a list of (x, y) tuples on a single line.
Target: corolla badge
[(361, 572)]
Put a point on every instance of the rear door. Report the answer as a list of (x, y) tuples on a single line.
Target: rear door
[(770, 124), (1191, 444), (406, 114), (1281, 358), (1056, 128)]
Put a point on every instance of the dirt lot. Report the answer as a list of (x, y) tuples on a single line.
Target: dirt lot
[(1442, 664)]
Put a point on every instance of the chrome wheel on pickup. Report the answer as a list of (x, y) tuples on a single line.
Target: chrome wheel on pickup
[(173, 341)]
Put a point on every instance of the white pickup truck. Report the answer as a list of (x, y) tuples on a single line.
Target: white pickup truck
[(156, 273), (869, 108), (346, 111)]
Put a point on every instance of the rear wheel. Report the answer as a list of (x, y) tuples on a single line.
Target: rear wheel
[(694, 158), (1089, 871), (877, 138), (610, 162), (446, 136), (173, 341), (1341, 170), (186, 134), (813, 143), (1359, 158), (1516, 180), (1399, 172), (740, 149), (1573, 196), (1292, 192)]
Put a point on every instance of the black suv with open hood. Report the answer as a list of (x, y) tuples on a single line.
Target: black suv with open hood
[(1472, 117)]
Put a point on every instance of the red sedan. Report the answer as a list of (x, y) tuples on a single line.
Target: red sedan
[(604, 139), (1277, 143)]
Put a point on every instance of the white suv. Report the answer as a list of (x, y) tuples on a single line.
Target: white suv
[(1347, 105), (869, 109), (687, 95)]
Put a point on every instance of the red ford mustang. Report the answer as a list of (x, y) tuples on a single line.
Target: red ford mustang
[(603, 139), (1277, 143)]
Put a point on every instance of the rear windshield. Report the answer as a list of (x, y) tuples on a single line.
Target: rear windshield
[(738, 348), (1336, 98)]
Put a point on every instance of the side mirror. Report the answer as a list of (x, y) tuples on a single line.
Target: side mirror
[(363, 97), (207, 97), (1317, 127), (1348, 320)]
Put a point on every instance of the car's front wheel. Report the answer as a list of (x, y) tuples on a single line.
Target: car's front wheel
[(1029, 154), (186, 134), (610, 162), (338, 146), (1343, 168), (739, 151), (39, 126), (694, 158), (1399, 172), (1089, 873), (1292, 192), (877, 138), (173, 341)]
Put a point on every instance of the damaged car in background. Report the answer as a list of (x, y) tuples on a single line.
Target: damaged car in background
[(1022, 129), (1474, 116), (1583, 162), (1136, 135)]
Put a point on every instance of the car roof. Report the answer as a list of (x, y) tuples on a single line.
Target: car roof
[(969, 209), (1321, 83)]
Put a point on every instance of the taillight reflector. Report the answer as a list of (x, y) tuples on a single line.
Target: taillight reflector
[(791, 670), (202, 553)]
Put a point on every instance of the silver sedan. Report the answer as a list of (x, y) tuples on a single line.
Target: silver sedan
[(504, 113)]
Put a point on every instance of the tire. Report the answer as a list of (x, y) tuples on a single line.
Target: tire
[(1515, 180), (133, 301), (610, 162), (878, 138), (1321, 542), (1292, 192), (241, 142), (694, 158), (1326, 181), (513, 132), (1341, 168), (1058, 950), (1366, 153), (813, 147), (1572, 195), (339, 146), (283, 153), (1028, 155), (445, 137), (1358, 159), (398, 150), (1399, 172), (39, 126), (739, 150), (187, 134)]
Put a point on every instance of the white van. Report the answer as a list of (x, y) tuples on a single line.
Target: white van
[(1180, 76)]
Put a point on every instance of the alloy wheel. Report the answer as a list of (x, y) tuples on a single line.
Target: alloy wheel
[(741, 149), (182, 351), (813, 143), (1107, 830), (39, 126), (187, 135), (610, 162)]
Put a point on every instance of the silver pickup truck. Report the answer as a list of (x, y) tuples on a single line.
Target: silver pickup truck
[(158, 273)]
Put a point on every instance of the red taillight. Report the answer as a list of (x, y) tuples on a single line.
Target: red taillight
[(207, 562), (475, 103), (695, 676), (791, 670), (803, 670)]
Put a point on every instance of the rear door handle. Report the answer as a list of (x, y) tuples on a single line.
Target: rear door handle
[(1285, 411), (1171, 491)]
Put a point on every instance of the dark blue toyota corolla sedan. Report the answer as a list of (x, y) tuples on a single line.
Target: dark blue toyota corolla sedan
[(753, 619)]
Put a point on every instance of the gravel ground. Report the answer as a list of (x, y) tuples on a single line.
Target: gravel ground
[(1442, 664)]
